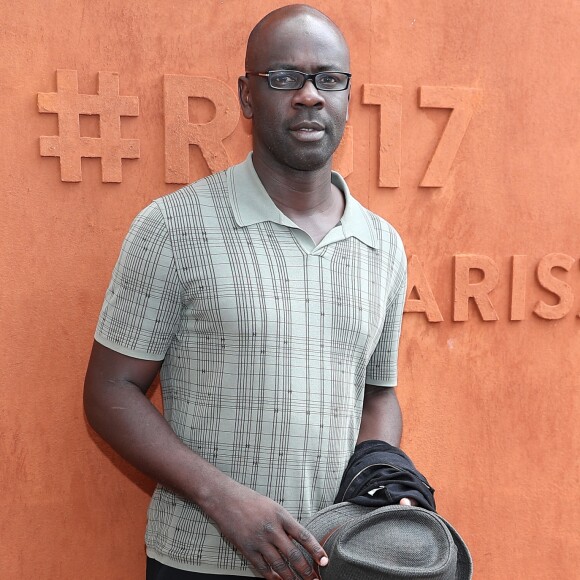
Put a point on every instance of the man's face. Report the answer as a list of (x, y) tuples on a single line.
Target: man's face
[(298, 129)]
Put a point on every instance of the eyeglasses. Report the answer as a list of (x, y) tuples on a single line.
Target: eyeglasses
[(292, 80)]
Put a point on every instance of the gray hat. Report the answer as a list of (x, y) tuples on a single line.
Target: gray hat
[(388, 543)]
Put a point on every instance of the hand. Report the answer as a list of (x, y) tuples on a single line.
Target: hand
[(407, 501), (262, 530)]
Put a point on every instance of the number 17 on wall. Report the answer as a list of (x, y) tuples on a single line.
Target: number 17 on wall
[(461, 101)]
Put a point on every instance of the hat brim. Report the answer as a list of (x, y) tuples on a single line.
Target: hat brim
[(331, 517)]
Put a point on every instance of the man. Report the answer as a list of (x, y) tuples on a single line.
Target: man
[(267, 297)]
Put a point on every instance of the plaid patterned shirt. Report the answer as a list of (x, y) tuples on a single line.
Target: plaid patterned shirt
[(267, 341)]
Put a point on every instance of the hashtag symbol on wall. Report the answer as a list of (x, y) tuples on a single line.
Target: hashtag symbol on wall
[(69, 145)]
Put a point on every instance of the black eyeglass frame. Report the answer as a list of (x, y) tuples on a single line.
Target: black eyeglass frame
[(305, 77)]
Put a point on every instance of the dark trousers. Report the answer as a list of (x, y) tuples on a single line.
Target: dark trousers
[(158, 571)]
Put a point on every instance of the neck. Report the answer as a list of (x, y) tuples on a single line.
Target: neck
[(295, 191), (308, 198)]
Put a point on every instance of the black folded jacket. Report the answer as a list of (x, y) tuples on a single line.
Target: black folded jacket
[(379, 474)]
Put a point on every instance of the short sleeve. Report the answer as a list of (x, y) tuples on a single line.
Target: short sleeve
[(382, 366), (142, 305)]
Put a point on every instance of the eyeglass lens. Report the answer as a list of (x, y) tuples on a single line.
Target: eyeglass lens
[(291, 80)]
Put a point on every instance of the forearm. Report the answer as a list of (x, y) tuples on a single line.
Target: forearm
[(122, 415), (381, 417)]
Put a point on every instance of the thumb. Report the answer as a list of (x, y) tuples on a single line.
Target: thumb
[(407, 501)]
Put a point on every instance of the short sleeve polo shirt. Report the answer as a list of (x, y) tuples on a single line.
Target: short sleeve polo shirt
[(267, 341)]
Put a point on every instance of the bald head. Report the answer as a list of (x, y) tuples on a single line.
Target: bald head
[(295, 129), (290, 23)]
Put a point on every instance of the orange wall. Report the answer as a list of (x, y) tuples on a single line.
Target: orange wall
[(491, 406)]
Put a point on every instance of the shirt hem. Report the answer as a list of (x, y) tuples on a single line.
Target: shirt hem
[(127, 351), (201, 569), (379, 383)]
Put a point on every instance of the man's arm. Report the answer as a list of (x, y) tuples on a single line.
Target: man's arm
[(381, 416), (382, 419), (117, 408)]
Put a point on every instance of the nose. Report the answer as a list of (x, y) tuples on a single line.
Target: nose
[(308, 96)]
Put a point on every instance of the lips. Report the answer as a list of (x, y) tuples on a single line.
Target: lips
[(308, 131)]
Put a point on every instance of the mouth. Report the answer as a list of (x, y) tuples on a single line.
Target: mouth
[(308, 131)]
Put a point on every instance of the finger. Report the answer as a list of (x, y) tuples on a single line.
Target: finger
[(407, 501), (263, 569), (307, 540), (276, 564), (295, 557)]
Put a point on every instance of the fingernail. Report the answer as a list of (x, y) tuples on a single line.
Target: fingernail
[(323, 561)]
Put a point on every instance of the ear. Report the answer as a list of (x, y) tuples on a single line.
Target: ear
[(245, 97)]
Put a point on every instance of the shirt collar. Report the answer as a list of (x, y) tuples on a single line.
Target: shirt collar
[(251, 204)]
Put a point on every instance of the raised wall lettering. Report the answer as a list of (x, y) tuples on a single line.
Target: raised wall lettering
[(69, 145), (389, 100), (417, 284), (461, 100), (518, 303), (554, 285), (180, 133), (479, 291)]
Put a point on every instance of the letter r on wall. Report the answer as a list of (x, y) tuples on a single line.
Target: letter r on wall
[(478, 291), (180, 133)]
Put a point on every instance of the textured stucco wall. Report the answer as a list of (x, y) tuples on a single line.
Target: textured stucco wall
[(486, 202)]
